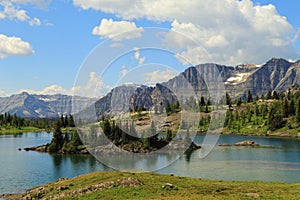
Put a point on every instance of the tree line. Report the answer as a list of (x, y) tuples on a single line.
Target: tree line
[(272, 111), (8, 120)]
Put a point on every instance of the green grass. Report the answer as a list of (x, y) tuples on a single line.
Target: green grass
[(151, 188), (13, 130)]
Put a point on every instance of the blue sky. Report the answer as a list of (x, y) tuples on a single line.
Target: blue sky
[(44, 44)]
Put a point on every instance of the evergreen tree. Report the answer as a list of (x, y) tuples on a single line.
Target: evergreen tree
[(298, 112), (285, 108), (206, 109), (289, 94), (249, 96), (239, 102), (66, 143), (275, 120), (228, 100), (202, 101), (169, 135), (62, 121), (292, 110), (75, 139), (269, 95), (71, 122), (275, 95), (107, 129), (57, 140), (263, 110), (66, 121)]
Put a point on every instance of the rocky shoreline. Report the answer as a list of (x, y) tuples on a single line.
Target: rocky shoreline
[(45, 149), (109, 148), (245, 143)]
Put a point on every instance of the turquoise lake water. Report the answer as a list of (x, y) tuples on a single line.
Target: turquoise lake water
[(280, 161)]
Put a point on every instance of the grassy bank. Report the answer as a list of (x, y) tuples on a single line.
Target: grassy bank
[(124, 185), (13, 130)]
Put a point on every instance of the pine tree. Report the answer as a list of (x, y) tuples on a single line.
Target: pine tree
[(269, 95), (202, 101), (292, 110), (298, 112), (275, 120), (206, 109), (285, 108), (239, 102), (66, 144), (249, 96), (107, 129), (228, 100), (275, 95), (289, 94), (57, 140), (66, 121), (62, 121), (169, 135)]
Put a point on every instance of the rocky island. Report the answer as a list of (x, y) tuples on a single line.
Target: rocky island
[(245, 143)]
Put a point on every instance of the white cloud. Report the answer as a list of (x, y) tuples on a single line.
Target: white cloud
[(137, 56), (123, 71), (39, 3), (231, 31), (11, 10), (52, 89), (14, 46), (35, 22), (116, 30), (158, 76), (94, 87)]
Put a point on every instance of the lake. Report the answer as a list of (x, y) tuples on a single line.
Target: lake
[(21, 170)]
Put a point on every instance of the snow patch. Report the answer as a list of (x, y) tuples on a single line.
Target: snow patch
[(240, 77), (45, 99)]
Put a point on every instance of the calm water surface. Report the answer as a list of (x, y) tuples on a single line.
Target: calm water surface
[(20, 170)]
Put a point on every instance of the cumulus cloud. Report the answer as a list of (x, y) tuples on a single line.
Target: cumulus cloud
[(231, 31), (158, 76), (14, 46), (137, 56), (52, 89), (123, 71), (11, 10), (94, 87), (114, 29)]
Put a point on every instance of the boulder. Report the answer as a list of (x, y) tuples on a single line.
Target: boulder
[(168, 185), (246, 143)]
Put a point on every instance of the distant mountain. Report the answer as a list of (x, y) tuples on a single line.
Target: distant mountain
[(38, 106), (276, 74)]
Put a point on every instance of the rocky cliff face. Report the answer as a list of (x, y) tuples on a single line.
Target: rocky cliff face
[(202, 80), (276, 74), (264, 79)]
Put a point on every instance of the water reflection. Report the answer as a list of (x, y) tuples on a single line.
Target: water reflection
[(22, 170)]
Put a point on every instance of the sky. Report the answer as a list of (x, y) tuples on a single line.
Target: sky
[(87, 47)]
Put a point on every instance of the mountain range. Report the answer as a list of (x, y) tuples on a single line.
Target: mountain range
[(275, 75)]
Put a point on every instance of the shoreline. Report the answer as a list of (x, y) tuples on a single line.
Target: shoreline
[(15, 131), (271, 135), (121, 185)]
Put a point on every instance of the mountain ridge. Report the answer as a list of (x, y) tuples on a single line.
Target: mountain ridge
[(276, 74)]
